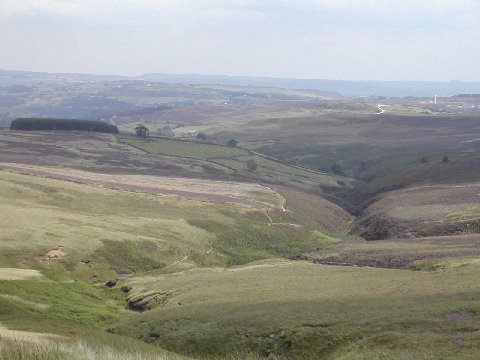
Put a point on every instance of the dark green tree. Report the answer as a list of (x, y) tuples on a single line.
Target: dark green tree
[(337, 169), (232, 143), (201, 136), (142, 131), (38, 124)]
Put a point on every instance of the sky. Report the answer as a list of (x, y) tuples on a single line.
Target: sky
[(436, 40)]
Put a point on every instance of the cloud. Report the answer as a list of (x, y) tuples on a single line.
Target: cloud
[(10, 8), (308, 38)]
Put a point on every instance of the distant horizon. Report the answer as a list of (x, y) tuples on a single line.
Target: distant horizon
[(134, 76)]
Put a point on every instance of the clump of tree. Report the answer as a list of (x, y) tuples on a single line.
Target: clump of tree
[(165, 131), (232, 143), (423, 160), (251, 165), (445, 159), (337, 169), (39, 124), (142, 131), (201, 136)]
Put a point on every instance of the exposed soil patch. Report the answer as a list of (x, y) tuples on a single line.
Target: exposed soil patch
[(55, 254), (148, 301)]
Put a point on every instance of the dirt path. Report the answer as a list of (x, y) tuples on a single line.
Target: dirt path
[(179, 261), (380, 107)]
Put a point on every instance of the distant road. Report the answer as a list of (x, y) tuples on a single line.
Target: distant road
[(381, 110)]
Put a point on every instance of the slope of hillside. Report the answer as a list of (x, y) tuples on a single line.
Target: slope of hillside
[(303, 310), (214, 251), (430, 210), (243, 164)]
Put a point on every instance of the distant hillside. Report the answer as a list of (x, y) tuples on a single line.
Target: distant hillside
[(345, 88), (324, 87), (36, 94)]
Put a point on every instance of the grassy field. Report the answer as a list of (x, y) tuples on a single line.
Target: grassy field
[(122, 230), (54, 317), (96, 152), (313, 311), (52, 273), (237, 160), (107, 154)]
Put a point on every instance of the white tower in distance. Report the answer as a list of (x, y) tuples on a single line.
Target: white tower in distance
[(435, 99)]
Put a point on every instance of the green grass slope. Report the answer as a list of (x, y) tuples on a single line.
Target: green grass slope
[(303, 310), (52, 272), (116, 231)]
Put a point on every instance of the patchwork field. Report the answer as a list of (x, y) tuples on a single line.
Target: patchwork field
[(346, 133), (243, 164), (93, 152)]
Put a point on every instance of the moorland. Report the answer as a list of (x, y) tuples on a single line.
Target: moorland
[(334, 227)]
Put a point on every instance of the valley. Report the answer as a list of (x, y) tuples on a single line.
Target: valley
[(328, 230)]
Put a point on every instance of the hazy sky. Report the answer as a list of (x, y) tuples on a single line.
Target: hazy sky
[(327, 39)]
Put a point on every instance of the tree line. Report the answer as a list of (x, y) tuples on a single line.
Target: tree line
[(33, 124)]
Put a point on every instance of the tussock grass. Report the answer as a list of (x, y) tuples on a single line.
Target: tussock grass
[(18, 274), (299, 309), (79, 350)]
